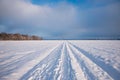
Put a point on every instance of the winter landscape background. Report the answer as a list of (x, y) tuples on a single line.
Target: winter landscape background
[(81, 40)]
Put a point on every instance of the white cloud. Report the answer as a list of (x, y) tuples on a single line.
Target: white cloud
[(20, 12)]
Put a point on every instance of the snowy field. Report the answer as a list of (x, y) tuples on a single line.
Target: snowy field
[(60, 60)]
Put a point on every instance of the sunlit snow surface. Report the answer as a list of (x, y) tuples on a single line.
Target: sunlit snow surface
[(60, 60)]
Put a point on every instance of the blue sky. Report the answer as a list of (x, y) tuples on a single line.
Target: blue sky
[(58, 19)]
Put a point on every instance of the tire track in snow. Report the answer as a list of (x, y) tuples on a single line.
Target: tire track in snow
[(92, 70), (80, 75), (44, 70), (69, 71), (84, 68), (105, 67), (59, 68), (64, 69)]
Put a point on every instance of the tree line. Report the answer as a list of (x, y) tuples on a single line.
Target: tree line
[(17, 36)]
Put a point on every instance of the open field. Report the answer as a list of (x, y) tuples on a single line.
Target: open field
[(60, 60)]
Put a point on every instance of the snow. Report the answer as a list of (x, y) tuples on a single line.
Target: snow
[(60, 60)]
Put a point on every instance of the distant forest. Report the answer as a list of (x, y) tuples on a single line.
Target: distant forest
[(17, 36)]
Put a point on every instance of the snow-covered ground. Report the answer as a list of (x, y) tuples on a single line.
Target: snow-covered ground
[(60, 60)]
